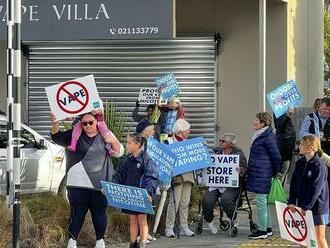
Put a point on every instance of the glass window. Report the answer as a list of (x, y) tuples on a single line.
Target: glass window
[(27, 138)]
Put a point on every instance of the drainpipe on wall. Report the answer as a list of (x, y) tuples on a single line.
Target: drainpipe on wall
[(262, 55), (217, 128)]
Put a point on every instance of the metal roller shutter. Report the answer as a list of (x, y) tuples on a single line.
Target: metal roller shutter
[(121, 68)]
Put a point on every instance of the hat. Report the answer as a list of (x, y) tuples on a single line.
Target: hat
[(173, 99), (143, 125), (180, 125)]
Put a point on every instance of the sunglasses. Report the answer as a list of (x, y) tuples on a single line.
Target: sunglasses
[(90, 123), (222, 141)]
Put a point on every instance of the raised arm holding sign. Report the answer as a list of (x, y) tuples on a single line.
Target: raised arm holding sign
[(168, 85), (74, 97), (284, 97)]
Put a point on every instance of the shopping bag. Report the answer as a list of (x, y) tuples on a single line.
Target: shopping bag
[(276, 192)]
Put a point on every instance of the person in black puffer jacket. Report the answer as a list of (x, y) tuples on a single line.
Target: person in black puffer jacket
[(264, 163), (286, 139)]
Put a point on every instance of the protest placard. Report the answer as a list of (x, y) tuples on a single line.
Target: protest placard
[(127, 197), (296, 227), (163, 158), (192, 155), (149, 96), (223, 173), (74, 97), (283, 97), (168, 85)]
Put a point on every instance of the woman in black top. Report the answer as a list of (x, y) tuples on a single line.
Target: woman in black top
[(85, 168)]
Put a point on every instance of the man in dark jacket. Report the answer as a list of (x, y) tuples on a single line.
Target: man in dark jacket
[(318, 124), (286, 138)]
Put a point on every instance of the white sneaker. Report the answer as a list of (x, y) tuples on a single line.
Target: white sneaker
[(169, 233), (186, 231), (213, 229), (150, 238), (147, 241), (100, 244), (72, 243)]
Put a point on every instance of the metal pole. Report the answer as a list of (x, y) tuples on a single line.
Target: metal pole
[(262, 54), (14, 113)]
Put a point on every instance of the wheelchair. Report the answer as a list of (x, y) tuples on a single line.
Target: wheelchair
[(226, 225)]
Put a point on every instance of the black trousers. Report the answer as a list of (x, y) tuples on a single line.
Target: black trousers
[(82, 200), (227, 202)]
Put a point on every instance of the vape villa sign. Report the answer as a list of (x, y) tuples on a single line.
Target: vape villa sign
[(93, 19)]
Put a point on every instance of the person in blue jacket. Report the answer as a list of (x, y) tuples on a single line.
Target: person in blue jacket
[(264, 163), (137, 170), (309, 188)]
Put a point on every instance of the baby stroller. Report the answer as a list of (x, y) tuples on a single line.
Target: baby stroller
[(226, 225)]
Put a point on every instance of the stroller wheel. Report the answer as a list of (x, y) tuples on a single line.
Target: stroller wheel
[(224, 225), (233, 231), (253, 227)]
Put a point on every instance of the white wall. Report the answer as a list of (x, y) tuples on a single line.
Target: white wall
[(237, 22)]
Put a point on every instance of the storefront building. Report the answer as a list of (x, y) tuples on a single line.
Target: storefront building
[(212, 46)]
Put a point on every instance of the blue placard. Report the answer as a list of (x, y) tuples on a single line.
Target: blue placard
[(163, 158), (192, 155), (283, 97), (168, 85), (127, 197)]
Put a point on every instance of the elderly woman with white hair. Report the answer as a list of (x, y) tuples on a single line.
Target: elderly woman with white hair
[(181, 188), (227, 196)]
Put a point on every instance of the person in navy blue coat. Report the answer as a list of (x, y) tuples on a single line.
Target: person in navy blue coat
[(309, 188), (264, 163), (137, 170)]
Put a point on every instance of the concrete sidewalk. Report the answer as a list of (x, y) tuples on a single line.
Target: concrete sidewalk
[(223, 239)]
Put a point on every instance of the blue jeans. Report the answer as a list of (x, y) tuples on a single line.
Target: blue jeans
[(264, 216)]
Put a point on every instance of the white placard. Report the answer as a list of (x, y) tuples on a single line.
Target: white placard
[(74, 97), (149, 96), (294, 226), (224, 173)]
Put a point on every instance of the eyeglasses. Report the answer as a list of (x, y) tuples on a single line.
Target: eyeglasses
[(222, 141), (90, 123)]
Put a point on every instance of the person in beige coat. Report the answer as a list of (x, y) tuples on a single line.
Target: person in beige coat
[(180, 188)]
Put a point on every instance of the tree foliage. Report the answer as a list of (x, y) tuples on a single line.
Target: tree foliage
[(327, 36), (326, 44)]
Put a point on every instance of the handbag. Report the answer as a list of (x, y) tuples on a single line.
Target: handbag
[(276, 192)]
